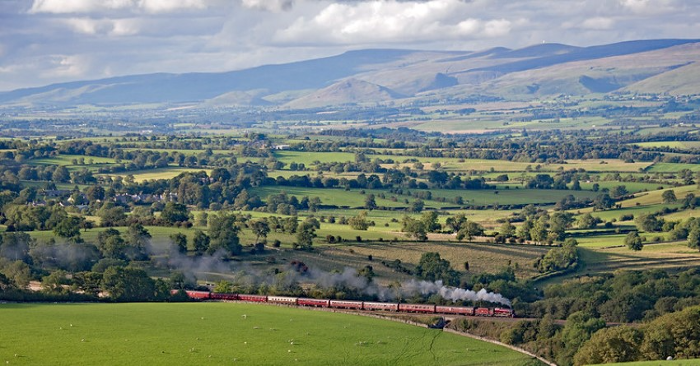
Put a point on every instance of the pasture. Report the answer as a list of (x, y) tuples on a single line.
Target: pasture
[(694, 362), (226, 334), (673, 167), (73, 162), (339, 197), (675, 256), (482, 257), (308, 158), (672, 144), (355, 198), (455, 164), (157, 173)]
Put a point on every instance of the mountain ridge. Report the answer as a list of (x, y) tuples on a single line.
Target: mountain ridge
[(383, 75)]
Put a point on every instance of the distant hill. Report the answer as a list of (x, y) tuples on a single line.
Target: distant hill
[(380, 76), (349, 91)]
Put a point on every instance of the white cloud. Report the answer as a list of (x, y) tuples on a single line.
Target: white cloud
[(650, 7), (125, 27), (269, 5), (113, 27), (91, 6), (164, 6), (635, 5), (598, 23), (77, 6), (382, 21), (468, 27), (61, 66), (497, 28)]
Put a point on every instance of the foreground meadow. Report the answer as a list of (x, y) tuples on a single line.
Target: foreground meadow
[(225, 334), (695, 362)]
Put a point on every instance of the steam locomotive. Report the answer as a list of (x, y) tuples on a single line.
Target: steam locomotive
[(354, 305)]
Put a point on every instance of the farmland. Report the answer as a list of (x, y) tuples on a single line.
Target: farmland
[(526, 206), (385, 239), (224, 333), (694, 362)]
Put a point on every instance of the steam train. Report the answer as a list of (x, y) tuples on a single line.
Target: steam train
[(353, 305)]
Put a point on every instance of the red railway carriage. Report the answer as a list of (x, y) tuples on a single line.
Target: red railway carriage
[(223, 296), (459, 310), (417, 308), (199, 295), (282, 300), (503, 312), (344, 304), (253, 298), (381, 306), (319, 303), (356, 305)]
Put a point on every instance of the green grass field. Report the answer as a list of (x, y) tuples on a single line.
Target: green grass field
[(307, 158), (632, 187), (158, 173), (672, 167), (339, 197), (67, 161), (454, 164), (695, 362), (673, 144), (354, 199), (482, 257), (226, 334), (668, 256)]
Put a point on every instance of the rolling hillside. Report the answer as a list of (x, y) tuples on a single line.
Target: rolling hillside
[(380, 76)]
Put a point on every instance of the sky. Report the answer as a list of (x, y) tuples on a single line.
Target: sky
[(50, 41)]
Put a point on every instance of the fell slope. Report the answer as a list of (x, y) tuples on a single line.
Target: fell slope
[(382, 76)]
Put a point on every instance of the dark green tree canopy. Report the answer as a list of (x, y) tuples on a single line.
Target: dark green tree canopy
[(433, 268)]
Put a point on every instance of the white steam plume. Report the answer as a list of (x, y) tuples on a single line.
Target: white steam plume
[(348, 278), (451, 293)]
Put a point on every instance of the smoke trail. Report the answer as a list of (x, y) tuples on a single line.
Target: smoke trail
[(348, 278), (189, 266), (451, 293)]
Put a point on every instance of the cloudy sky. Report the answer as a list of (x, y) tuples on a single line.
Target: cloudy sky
[(49, 41)]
